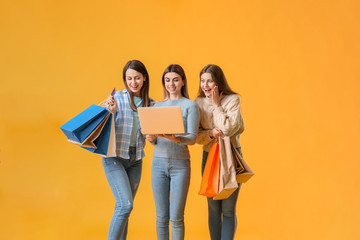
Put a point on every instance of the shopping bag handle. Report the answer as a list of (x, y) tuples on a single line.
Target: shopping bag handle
[(102, 103), (220, 136)]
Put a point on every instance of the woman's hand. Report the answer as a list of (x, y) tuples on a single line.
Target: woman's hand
[(170, 137), (151, 137), (215, 133), (110, 103), (215, 97)]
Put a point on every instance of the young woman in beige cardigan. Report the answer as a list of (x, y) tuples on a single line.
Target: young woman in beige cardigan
[(219, 115)]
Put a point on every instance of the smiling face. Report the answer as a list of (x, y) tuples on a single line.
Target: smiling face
[(134, 81), (207, 84), (173, 84)]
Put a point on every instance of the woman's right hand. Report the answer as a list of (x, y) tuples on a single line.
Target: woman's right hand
[(151, 137), (215, 132), (111, 104), (216, 97)]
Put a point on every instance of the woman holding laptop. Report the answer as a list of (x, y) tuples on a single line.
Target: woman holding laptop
[(219, 115), (170, 173), (123, 172)]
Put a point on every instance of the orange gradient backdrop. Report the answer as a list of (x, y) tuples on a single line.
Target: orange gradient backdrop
[(294, 63)]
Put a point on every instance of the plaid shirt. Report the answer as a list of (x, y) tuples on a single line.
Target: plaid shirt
[(123, 126)]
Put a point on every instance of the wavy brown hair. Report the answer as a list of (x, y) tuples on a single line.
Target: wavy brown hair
[(144, 91)]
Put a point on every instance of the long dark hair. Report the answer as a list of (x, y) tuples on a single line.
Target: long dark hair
[(218, 76), (144, 91), (179, 70)]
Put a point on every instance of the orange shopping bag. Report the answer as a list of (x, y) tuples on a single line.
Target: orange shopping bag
[(210, 181)]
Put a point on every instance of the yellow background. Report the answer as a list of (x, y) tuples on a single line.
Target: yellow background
[(295, 64)]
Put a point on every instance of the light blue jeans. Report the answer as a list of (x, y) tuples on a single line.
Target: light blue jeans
[(221, 213), (124, 177), (170, 180)]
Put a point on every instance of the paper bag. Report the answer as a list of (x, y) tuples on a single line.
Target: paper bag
[(210, 180), (82, 125), (93, 130), (227, 180), (106, 142), (246, 173)]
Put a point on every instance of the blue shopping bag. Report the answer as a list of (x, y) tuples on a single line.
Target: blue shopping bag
[(94, 130), (80, 127)]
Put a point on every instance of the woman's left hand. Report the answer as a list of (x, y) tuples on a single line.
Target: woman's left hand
[(170, 137), (215, 133)]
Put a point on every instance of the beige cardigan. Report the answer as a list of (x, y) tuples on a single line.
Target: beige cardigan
[(227, 117)]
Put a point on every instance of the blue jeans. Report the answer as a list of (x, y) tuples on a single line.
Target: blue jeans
[(221, 213), (170, 180), (124, 177)]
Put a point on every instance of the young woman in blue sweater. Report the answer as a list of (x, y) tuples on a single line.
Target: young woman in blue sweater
[(170, 173)]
